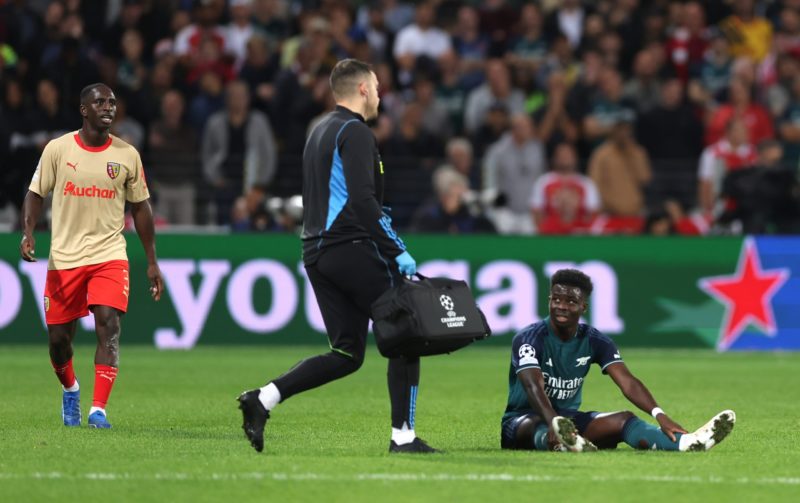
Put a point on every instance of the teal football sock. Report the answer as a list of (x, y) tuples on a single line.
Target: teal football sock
[(641, 435), (540, 437)]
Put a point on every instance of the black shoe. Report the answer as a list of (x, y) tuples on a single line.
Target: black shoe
[(416, 446), (255, 417)]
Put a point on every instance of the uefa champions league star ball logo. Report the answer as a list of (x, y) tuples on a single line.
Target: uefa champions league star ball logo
[(527, 351), (527, 355), (447, 303)]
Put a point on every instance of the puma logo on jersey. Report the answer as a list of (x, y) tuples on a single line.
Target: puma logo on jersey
[(616, 355), (73, 166), (582, 361), (549, 362)]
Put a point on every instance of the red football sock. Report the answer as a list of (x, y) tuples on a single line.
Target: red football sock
[(65, 373), (104, 376)]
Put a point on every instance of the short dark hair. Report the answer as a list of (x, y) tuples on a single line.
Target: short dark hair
[(573, 277), (86, 92), (346, 75)]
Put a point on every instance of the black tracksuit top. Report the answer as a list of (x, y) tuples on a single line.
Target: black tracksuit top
[(343, 188)]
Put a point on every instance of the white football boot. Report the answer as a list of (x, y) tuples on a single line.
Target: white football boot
[(710, 434), (568, 435)]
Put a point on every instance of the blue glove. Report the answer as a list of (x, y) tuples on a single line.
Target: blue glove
[(406, 264)]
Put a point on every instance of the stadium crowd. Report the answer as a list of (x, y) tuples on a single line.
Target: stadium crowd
[(550, 117)]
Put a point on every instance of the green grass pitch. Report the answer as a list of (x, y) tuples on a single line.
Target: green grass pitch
[(177, 434)]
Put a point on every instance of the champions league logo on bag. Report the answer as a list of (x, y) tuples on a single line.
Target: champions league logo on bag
[(452, 320), (418, 318), (447, 303)]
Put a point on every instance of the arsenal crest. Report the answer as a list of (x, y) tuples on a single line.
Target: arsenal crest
[(112, 168)]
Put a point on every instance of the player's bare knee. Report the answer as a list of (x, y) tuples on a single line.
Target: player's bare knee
[(625, 416), (107, 327), (59, 339)]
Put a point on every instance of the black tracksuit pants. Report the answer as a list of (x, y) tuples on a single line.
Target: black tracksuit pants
[(347, 279)]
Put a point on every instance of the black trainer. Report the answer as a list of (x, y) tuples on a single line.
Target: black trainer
[(415, 446), (255, 417)]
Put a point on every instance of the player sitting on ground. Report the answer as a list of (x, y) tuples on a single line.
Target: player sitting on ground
[(549, 361)]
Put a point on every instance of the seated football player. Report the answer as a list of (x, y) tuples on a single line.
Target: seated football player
[(549, 362)]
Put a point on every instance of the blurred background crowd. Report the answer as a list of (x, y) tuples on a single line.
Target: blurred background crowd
[(498, 116)]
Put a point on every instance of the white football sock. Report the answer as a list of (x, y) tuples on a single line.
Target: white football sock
[(95, 409), (73, 388), (269, 396), (404, 435)]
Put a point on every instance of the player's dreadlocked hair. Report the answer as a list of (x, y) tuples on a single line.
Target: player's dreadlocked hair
[(86, 92), (573, 277)]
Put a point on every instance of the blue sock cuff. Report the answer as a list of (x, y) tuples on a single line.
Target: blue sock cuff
[(642, 435), (540, 437)]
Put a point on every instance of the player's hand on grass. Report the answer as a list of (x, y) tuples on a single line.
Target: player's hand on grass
[(156, 282), (553, 443), (26, 248), (669, 427)]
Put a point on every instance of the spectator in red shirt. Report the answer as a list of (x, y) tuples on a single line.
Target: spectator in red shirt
[(210, 59), (688, 41), (206, 25), (740, 106), (564, 201), (732, 152)]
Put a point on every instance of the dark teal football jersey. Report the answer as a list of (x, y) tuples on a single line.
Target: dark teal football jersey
[(563, 364)]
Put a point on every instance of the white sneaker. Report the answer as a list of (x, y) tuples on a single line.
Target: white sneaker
[(568, 435), (710, 434)]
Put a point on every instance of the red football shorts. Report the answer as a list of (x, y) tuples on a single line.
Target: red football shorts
[(68, 293)]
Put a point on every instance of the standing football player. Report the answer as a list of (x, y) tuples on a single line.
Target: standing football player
[(91, 175), (549, 362)]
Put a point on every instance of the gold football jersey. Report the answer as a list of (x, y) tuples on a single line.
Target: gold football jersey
[(90, 186)]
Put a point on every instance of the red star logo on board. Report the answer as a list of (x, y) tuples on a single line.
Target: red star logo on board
[(747, 295)]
